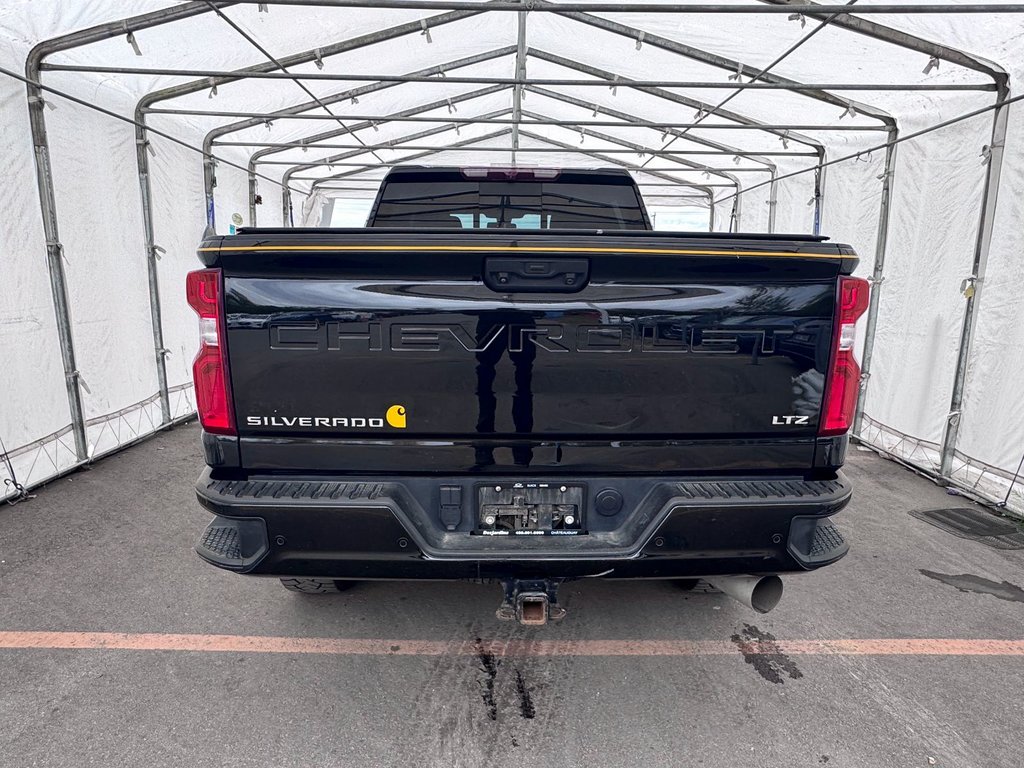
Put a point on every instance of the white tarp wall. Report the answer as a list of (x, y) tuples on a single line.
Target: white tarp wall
[(933, 223)]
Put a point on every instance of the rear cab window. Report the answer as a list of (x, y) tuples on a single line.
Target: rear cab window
[(524, 199)]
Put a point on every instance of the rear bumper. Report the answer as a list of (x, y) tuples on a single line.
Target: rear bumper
[(400, 529)]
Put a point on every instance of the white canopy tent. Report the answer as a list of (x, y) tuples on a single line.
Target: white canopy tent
[(132, 126)]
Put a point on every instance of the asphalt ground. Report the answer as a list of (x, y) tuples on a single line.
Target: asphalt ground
[(119, 647)]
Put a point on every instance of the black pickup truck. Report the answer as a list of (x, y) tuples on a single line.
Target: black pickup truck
[(508, 377)]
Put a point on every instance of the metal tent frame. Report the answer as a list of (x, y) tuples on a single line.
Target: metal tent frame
[(515, 126)]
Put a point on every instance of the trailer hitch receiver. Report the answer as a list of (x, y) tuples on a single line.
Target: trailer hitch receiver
[(531, 602)]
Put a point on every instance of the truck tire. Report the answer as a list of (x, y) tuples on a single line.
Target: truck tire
[(317, 586)]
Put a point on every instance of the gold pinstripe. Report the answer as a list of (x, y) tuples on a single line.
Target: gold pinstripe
[(531, 249)]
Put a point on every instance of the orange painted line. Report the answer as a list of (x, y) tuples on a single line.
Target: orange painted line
[(381, 647)]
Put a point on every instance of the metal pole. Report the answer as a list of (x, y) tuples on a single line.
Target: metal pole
[(415, 156), (632, 119), (48, 206), (641, 149), (558, 147), (767, 85), (675, 197), (911, 42), (739, 213), (55, 264), (360, 150), (298, 111), (142, 147), (366, 168), (399, 143), (766, 69), (211, 138), (999, 77), (209, 184), (517, 91), (286, 207), (974, 284), (670, 169), (638, 148), (657, 8), (252, 193), (905, 137), (305, 143), (734, 217), (506, 132), (308, 141), (898, 37), (661, 93), (268, 70), (318, 182), (641, 123), (877, 276), (819, 180), (768, 80), (689, 185), (773, 202), (290, 112), (372, 192), (820, 175), (270, 57)]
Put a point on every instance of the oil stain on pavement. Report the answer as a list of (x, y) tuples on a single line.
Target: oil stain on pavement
[(526, 708), (966, 582), (489, 666), (761, 650)]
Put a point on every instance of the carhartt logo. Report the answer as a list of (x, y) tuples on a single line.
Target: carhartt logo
[(396, 416)]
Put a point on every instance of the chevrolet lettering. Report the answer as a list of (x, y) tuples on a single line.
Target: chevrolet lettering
[(636, 336)]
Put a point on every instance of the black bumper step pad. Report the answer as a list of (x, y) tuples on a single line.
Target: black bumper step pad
[(827, 540), (816, 541), (222, 540), (293, 489), (760, 489), (234, 543)]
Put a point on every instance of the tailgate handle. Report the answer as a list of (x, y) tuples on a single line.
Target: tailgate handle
[(536, 275)]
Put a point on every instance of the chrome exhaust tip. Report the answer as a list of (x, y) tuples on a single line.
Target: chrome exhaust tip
[(759, 593)]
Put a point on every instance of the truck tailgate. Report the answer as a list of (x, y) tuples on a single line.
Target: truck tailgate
[(400, 341)]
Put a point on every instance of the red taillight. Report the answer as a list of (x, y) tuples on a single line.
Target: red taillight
[(210, 369), (843, 381)]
